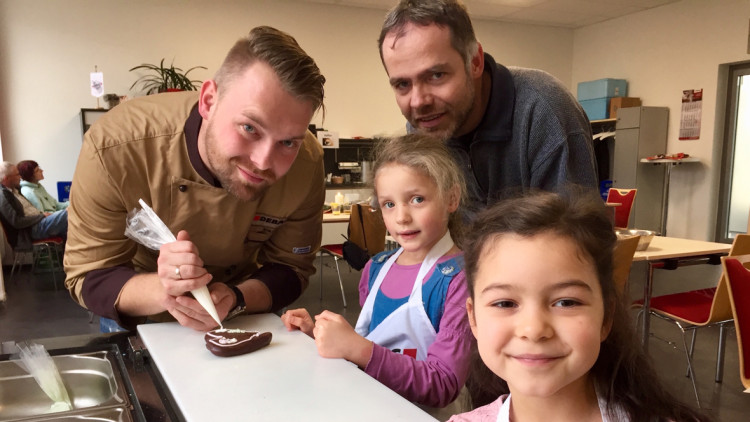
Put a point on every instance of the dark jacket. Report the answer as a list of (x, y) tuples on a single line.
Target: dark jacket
[(16, 224), (534, 135)]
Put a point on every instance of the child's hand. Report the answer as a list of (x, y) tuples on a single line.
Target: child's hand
[(298, 319), (336, 338)]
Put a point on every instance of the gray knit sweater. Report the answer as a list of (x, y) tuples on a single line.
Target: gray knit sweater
[(534, 135)]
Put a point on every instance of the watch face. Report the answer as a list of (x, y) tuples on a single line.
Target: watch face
[(234, 312)]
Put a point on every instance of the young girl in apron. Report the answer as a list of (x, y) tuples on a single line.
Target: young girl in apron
[(412, 333), (548, 319)]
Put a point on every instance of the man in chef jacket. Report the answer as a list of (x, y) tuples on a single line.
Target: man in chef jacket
[(234, 174)]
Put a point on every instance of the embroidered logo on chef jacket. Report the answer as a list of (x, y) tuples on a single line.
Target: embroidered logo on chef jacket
[(263, 226), (299, 250), (267, 221), (407, 352)]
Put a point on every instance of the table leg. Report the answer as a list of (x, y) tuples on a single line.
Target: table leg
[(665, 201), (647, 289)]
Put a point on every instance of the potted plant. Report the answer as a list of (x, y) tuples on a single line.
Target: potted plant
[(165, 79)]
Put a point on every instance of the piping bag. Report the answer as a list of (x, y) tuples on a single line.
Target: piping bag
[(37, 362), (146, 228)]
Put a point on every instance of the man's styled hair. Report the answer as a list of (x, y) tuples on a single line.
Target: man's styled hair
[(444, 13), (299, 74)]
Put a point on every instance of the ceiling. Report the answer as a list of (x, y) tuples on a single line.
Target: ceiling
[(560, 13)]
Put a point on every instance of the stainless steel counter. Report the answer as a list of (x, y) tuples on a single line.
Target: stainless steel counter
[(145, 397)]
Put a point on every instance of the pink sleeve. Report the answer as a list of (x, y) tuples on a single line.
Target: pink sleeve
[(364, 280), (436, 381)]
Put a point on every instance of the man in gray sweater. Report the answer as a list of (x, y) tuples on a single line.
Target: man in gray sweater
[(512, 129)]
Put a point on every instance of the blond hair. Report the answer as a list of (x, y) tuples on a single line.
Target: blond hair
[(431, 157)]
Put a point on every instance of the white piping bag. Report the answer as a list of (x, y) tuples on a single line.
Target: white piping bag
[(37, 362), (146, 228)]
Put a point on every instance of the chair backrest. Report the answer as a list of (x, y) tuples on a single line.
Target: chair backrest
[(738, 284), (721, 309), (623, 260), (370, 233), (63, 191), (625, 197)]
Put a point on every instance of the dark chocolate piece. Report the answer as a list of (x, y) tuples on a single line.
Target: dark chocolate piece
[(232, 342)]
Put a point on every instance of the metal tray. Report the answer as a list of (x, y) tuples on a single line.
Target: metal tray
[(95, 388), (111, 414)]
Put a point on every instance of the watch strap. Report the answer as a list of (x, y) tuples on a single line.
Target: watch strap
[(240, 305)]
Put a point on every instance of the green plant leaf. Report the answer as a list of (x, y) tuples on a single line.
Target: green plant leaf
[(160, 78)]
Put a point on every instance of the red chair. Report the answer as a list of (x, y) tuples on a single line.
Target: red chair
[(366, 229), (48, 249), (701, 308), (624, 197), (738, 280)]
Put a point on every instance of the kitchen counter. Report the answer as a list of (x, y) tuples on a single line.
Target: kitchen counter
[(330, 186)]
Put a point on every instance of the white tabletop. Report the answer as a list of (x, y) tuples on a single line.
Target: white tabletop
[(284, 381), (335, 218), (673, 247), (671, 160)]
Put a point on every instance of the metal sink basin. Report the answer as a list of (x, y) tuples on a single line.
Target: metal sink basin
[(94, 387)]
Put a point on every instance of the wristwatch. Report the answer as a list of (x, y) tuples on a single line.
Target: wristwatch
[(240, 306)]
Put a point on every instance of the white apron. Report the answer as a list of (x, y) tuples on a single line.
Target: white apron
[(408, 327), (504, 414)]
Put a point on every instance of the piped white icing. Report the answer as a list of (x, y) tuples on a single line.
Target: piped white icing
[(222, 341)]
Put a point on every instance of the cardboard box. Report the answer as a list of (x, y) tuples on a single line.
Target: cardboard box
[(622, 102), (596, 109), (602, 88)]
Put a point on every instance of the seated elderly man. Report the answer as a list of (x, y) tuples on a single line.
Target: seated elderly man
[(22, 221)]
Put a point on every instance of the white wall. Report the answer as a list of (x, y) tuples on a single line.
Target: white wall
[(739, 203), (662, 52), (48, 48)]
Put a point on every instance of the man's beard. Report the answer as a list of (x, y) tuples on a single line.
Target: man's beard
[(225, 172), (460, 113)]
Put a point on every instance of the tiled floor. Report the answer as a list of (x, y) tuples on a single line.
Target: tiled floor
[(34, 309)]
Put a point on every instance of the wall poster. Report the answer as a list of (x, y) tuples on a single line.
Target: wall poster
[(690, 118), (328, 139)]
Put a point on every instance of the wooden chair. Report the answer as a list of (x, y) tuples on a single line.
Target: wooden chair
[(623, 260), (738, 284), (624, 197), (368, 232), (701, 308)]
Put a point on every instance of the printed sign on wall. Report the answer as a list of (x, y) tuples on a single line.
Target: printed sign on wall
[(690, 119), (97, 84), (328, 139)]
